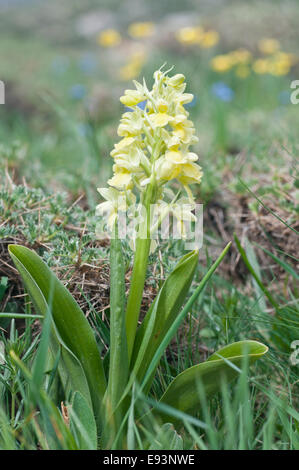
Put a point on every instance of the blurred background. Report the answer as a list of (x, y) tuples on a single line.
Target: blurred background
[(66, 63)]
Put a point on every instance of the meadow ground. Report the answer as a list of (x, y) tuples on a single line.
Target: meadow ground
[(64, 66)]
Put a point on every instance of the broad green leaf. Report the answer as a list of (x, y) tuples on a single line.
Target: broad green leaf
[(70, 369), (72, 328), (138, 276), (183, 392), (165, 340), (3, 286), (162, 313), (180, 317), (41, 356), (71, 372), (118, 355), (82, 423), (118, 369)]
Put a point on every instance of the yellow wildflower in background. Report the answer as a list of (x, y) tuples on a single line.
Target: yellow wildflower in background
[(242, 62), (109, 38), (261, 66), (141, 30), (209, 39), (281, 63), (240, 56), (133, 68), (190, 35), (195, 35), (278, 64), (222, 63), (268, 46)]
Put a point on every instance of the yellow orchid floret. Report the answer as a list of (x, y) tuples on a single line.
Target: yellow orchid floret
[(156, 134), (132, 97), (121, 178), (115, 201), (182, 211)]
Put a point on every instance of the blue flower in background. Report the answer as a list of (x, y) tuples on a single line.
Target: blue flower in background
[(140, 105), (284, 97), (77, 92), (192, 103), (222, 91), (87, 63)]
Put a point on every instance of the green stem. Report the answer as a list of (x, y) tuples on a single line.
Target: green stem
[(19, 315), (13, 407), (118, 368), (143, 244), (118, 347)]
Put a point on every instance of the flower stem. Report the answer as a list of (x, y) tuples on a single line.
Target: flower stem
[(143, 244)]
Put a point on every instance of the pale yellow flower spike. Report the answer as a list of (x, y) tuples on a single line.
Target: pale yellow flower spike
[(154, 150)]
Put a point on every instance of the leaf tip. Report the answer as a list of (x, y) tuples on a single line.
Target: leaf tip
[(12, 249)]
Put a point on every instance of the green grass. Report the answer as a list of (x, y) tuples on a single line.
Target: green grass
[(259, 413)]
